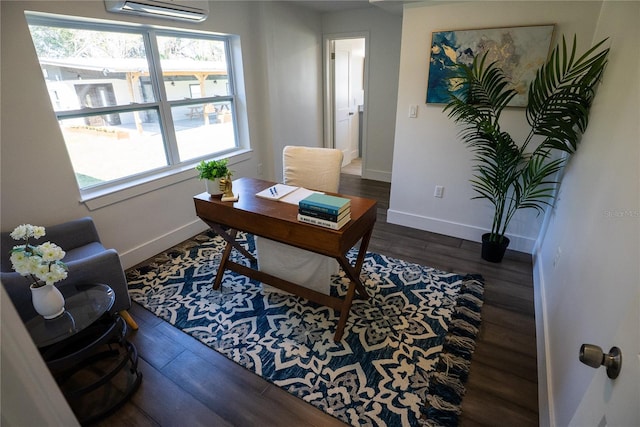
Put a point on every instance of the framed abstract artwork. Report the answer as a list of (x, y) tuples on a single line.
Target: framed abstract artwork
[(519, 51)]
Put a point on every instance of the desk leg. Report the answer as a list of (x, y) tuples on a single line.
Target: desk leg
[(225, 257), (364, 245), (230, 237), (344, 312), (356, 284), (353, 272)]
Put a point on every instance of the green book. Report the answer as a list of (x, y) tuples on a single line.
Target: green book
[(325, 203)]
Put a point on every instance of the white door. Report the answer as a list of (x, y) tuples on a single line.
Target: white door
[(616, 402), (608, 402), (342, 105)]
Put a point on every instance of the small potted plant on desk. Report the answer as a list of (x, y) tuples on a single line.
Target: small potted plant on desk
[(212, 171)]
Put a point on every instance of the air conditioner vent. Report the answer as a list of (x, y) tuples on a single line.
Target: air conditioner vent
[(185, 10)]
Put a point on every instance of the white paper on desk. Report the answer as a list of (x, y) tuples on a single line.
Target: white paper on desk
[(277, 191), (295, 196)]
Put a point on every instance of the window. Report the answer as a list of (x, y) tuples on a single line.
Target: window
[(135, 102)]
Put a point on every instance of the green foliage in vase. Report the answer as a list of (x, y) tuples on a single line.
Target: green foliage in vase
[(514, 176), (213, 169)]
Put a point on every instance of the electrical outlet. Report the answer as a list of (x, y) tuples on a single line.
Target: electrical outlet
[(439, 191), (259, 169)]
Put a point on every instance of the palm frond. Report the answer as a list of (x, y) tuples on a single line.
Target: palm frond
[(538, 187), (561, 95), (482, 96)]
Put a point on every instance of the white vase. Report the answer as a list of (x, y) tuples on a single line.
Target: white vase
[(47, 300), (213, 186)]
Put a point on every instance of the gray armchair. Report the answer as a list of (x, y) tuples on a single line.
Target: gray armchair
[(87, 259)]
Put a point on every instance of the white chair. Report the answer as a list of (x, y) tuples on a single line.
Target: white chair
[(313, 168)]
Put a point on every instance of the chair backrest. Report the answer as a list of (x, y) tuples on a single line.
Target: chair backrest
[(314, 168), (68, 235)]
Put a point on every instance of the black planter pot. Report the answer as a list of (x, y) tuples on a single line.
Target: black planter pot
[(493, 251)]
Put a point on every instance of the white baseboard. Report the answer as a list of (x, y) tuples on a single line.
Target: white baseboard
[(153, 247), (545, 401), (376, 175), (462, 231)]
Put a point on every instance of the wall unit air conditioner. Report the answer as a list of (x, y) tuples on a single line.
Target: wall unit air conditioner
[(183, 10)]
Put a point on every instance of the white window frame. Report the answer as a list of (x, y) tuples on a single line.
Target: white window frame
[(176, 170)]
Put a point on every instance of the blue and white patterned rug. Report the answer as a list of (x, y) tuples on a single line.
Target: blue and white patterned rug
[(402, 361)]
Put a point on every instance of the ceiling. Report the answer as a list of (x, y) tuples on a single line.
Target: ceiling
[(324, 6), (333, 5)]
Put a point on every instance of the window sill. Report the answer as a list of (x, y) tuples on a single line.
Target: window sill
[(100, 198)]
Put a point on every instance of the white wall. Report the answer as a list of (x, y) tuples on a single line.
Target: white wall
[(427, 151), (292, 49), (29, 394), (383, 57), (280, 48), (592, 293)]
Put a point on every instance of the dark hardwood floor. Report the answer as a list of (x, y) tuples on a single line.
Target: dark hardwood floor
[(187, 384)]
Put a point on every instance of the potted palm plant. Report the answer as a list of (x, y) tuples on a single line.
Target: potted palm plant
[(514, 176), (212, 171)]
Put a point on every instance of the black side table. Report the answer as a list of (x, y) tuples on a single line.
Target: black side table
[(87, 352)]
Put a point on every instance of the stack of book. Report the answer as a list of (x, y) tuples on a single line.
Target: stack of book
[(324, 210)]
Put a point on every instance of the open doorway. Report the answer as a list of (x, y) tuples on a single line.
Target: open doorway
[(345, 94)]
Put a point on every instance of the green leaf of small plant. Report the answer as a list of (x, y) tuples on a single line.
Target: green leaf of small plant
[(213, 169)]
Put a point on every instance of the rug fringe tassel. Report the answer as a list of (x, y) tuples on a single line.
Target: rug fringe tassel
[(460, 343), (446, 383), (465, 326), (475, 286), (443, 405), (474, 300), (455, 362), (452, 383), (469, 314)]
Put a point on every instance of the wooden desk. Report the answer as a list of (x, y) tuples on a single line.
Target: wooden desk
[(278, 221)]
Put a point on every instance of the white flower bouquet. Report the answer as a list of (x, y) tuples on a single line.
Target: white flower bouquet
[(43, 263)]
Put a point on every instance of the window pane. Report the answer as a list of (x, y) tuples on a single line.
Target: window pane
[(112, 146), (203, 129), (84, 68), (193, 68), (102, 84)]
